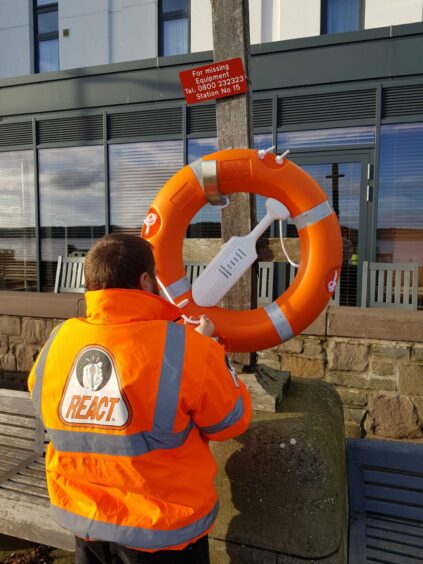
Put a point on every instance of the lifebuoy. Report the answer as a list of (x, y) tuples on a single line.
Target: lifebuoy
[(243, 170)]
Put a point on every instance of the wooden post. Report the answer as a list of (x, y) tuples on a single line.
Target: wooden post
[(231, 38)]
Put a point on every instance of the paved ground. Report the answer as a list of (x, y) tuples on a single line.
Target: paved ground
[(17, 551)]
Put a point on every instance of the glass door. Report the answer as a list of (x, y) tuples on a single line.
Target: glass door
[(346, 179)]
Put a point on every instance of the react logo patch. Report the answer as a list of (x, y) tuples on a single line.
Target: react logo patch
[(93, 395)]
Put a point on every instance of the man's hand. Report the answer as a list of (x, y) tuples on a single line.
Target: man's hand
[(205, 327)]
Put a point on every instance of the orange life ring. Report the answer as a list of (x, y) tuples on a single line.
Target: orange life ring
[(243, 170)]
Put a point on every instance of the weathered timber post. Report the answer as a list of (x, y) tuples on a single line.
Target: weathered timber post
[(231, 38)]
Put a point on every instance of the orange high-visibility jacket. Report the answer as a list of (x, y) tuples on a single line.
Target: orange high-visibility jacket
[(130, 400)]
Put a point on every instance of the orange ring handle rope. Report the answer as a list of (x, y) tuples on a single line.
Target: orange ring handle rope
[(243, 170)]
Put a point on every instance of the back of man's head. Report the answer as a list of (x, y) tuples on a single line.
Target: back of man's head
[(117, 261)]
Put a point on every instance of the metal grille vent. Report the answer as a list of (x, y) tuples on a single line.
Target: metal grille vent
[(12, 134), (81, 128), (402, 101), (165, 121), (336, 106), (201, 119), (262, 113)]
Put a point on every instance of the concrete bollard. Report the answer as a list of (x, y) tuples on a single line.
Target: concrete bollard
[(282, 485)]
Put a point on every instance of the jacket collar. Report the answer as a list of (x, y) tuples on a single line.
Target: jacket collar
[(122, 306)]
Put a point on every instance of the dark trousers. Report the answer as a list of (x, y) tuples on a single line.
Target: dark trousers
[(99, 552)]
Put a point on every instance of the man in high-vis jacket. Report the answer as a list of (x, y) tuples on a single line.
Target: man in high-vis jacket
[(130, 398)]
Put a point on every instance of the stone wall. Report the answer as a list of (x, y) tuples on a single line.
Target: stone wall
[(373, 357)]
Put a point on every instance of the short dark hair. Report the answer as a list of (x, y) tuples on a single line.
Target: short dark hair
[(117, 261)]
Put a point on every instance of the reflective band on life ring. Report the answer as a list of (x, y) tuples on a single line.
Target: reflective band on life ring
[(241, 170)]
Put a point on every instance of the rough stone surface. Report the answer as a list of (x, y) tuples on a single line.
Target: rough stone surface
[(347, 379), (222, 552), (353, 430), (411, 379), (355, 415), (393, 350), (286, 475), (4, 344), (36, 331), (25, 357), (382, 368), (10, 325), (351, 397), (293, 346), (392, 417), (8, 362), (313, 347), (347, 356), (418, 352), (304, 366)]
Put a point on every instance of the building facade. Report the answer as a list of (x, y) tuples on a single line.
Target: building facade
[(85, 146)]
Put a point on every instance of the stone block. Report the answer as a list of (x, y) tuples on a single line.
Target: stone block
[(4, 344), (313, 347), (375, 323), (382, 368), (347, 379), (418, 352), (383, 384), (353, 430), (411, 379), (25, 357), (293, 346), (392, 416), (393, 350), (343, 355), (10, 325), (354, 415), (304, 366), (8, 362), (285, 476), (36, 331), (355, 398), (269, 358), (222, 552)]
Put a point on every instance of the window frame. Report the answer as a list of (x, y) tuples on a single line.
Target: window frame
[(40, 37), (323, 18), (171, 16)]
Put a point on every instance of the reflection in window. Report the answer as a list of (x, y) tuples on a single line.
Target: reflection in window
[(174, 27), (137, 172), (341, 183), (17, 222), (340, 15), (326, 137), (46, 36), (206, 223), (400, 198), (72, 204)]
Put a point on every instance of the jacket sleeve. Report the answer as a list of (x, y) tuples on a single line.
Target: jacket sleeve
[(223, 408)]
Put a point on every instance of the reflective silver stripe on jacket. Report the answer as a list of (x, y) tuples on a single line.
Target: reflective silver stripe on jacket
[(233, 416), (313, 215), (39, 372), (280, 322), (136, 537), (117, 445), (162, 435), (178, 288)]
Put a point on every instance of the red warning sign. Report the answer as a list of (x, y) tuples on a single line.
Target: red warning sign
[(220, 79)]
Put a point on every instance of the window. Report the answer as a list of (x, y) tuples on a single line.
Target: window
[(400, 198), (46, 35), (17, 222), (340, 15), (72, 204), (174, 27), (137, 173)]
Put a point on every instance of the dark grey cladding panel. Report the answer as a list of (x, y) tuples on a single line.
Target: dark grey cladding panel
[(262, 112), (78, 128), (332, 106), (402, 101), (158, 121), (12, 134)]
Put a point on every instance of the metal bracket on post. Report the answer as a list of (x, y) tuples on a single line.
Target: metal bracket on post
[(211, 185)]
